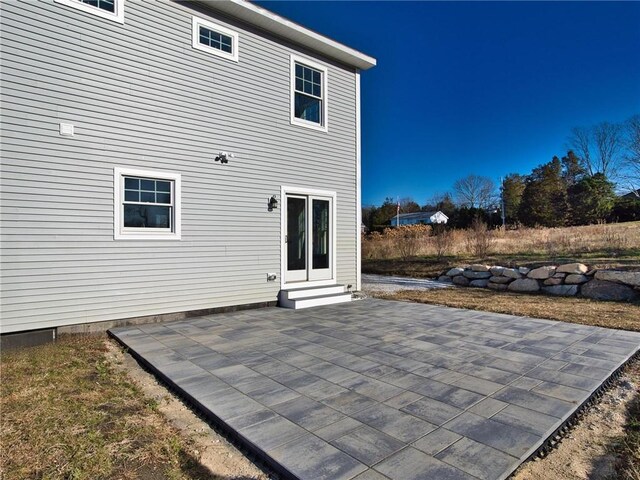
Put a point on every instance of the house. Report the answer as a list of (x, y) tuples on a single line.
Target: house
[(163, 159), (426, 218)]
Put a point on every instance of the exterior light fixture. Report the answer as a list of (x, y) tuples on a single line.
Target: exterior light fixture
[(223, 157), (273, 203)]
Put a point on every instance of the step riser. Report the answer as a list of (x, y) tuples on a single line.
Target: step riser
[(314, 302), (300, 294)]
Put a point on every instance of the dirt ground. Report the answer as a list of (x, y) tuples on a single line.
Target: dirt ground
[(584, 453), (215, 453)]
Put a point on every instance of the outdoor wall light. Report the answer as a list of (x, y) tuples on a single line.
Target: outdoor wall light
[(223, 157), (273, 203)]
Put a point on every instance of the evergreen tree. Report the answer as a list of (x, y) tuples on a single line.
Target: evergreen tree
[(512, 190), (544, 200), (572, 169), (591, 199)]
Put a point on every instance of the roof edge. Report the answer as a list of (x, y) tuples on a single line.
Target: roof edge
[(263, 18)]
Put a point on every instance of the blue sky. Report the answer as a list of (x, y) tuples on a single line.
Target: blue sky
[(488, 88)]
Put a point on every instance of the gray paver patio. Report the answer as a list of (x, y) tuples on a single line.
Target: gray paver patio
[(380, 389)]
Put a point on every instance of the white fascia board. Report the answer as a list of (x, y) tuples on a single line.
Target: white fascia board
[(289, 30)]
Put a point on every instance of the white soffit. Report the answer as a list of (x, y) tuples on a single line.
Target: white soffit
[(289, 30)]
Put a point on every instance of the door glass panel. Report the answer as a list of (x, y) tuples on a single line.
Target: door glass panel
[(296, 234), (320, 234)]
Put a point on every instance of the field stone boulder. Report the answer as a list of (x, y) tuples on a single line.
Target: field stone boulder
[(496, 271), (628, 278), (579, 268), (559, 275), (524, 285), (479, 268), (500, 279), (455, 271), (561, 290), (524, 270), (576, 279), (479, 283), (497, 286), (553, 281), (444, 278), (603, 290), (542, 273), (470, 274), (460, 280), (511, 273)]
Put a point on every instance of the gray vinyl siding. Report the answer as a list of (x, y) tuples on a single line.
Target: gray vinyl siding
[(141, 97)]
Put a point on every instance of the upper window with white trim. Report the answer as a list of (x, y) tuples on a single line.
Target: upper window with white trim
[(308, 93), (109, 9), (216, 39), (147, 204)]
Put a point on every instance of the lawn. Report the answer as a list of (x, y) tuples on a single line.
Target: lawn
[(67, 413)]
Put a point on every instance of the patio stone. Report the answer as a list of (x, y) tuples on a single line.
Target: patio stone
[(360, 390), (436, 441), (506, 438), (368, 445), (313, 458), (412, 464), (432, 411), (477, 459)]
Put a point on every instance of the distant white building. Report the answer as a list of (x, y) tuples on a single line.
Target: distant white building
[(426, 218)]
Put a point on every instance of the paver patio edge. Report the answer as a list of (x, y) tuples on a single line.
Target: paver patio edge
[(244, 445), (552, 433), (260, 454)]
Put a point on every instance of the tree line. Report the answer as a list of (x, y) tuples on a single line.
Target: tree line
[(578, 188)]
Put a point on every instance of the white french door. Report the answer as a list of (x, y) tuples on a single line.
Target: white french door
[(308, 236)]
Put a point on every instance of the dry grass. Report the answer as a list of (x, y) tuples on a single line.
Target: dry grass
[(67, 413), (590, 241), (567, 309), (627, 449)]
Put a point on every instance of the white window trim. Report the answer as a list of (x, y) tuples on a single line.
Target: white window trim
[(119, 232), (324, 126), (195, 33), (118, 16)]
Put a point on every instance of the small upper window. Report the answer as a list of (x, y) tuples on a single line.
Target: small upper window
[(215, 39), (110, 9), (308, 94), (147, 204)]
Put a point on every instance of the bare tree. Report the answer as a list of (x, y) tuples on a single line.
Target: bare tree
[(599, 147), (609, 142), (475, 191), (580, 142), (632, 155)]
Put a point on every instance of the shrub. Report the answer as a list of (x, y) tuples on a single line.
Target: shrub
[(479, 239)]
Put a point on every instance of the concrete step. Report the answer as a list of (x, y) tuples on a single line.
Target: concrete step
[(298, 298), (299, 293)]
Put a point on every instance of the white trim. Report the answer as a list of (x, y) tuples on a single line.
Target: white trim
[(263, 18), (118, 233), (358, 188), (324, 124), (118, 16), (284, 190), (197, 22)]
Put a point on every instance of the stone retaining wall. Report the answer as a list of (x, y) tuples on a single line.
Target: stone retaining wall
[(570, 279)]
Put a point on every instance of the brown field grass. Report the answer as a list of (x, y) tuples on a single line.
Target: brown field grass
[(624, 316), (610, 241), (67, 413)]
